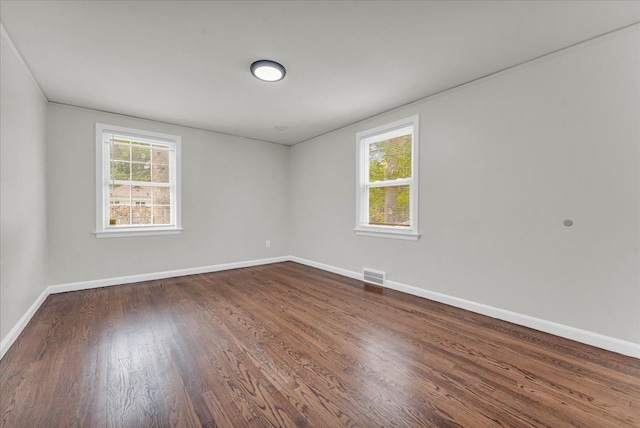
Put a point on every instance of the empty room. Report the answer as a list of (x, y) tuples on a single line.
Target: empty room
[(320, 214)]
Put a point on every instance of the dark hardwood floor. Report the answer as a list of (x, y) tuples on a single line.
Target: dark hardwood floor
[(288, 345)]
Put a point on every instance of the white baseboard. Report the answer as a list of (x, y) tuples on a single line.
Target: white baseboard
[(583, 336), (84, 285), (13, 334), (8, 340)]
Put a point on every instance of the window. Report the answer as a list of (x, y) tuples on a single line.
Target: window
[(387, 187), (137, 182)]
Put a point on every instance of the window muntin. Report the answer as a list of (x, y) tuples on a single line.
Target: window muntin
[(137, 182), (387, 180)]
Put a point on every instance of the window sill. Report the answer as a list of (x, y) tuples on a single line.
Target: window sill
[(123, 233), (393, 234)]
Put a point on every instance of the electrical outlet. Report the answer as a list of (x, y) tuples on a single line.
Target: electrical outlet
[(268, 243)]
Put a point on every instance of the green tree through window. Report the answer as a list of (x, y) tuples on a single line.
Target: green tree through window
[(390, 160)]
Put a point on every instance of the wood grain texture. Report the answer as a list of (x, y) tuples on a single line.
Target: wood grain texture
[(286, 345)]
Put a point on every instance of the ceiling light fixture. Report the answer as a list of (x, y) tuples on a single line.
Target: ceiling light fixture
[(267, 70)]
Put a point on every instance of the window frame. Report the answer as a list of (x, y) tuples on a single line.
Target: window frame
[(103, 168), (363, 140)]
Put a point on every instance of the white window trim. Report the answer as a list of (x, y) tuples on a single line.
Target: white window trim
[(102, 197), (362, 195)]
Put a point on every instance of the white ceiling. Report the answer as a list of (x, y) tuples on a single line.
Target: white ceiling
[(188, 62)]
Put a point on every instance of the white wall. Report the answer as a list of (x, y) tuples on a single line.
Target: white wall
[(23, 215), (503, 162), (234, 199)]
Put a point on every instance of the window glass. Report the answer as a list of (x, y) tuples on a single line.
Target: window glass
[(389, 206), (390, 159)]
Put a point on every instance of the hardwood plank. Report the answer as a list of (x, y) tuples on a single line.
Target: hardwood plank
[(289, 345)]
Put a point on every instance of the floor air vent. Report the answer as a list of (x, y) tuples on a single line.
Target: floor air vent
[(373, 276)]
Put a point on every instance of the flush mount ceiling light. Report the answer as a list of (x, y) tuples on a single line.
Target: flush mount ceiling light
[(267, 70)]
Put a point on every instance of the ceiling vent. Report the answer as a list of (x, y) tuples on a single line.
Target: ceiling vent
[(372, 276)]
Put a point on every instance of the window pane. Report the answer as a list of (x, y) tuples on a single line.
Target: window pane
[(161, 196), (120, 152), (141, 195), (140, 172), (161, 215), (160, 156), (160, 173), (390, 159), (119, 195), (389, 206), (120, 170), (140, 214), (140, 154), (119, 213)]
